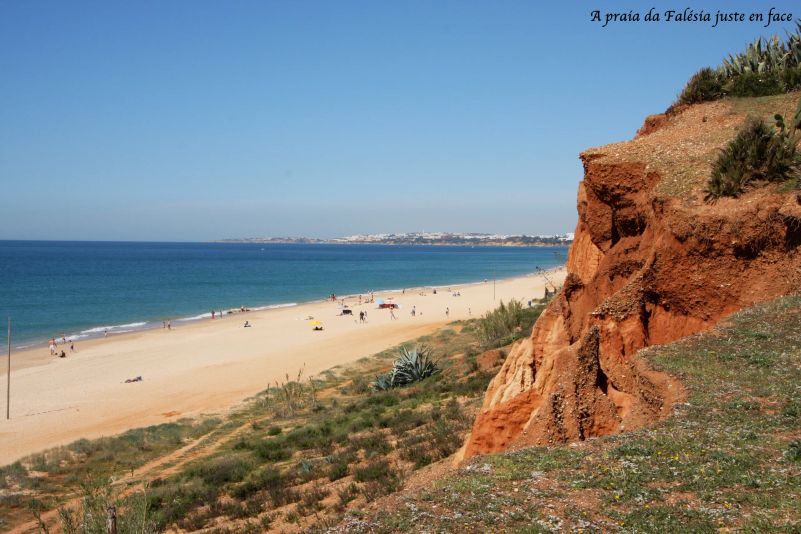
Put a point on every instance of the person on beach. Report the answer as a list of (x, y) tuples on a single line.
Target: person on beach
[(361, 316), (62, 355), (169, 325), (212, 315), (164, 324), (105, 333), (392, 313), (52, 347), (247, 324), (447, 313), (72, 346), (365, 317), (414, 311)]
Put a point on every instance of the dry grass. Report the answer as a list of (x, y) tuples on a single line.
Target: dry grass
[(682, 151)]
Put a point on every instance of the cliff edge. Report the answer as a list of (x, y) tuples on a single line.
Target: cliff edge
[(650, 263)]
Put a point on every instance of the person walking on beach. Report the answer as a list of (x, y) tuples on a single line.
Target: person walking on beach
[(53, 347), (447, 313), (169, 325), (392, 313), (414, 310), (361, 316), (212, 315), (72, 346), (105, 333)]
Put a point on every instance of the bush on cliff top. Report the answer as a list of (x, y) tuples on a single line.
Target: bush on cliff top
[(758, 154), (766, 67), (705, 85)]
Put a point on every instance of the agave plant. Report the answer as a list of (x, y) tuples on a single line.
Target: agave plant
[(763, 55), (383, 382), (412, 365)]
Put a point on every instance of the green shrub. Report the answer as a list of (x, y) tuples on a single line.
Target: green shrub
[(750, 84), (90, 517), (273, 430), (346, 495), (792, 410), (373, 444), (337, 471), (705, 85), (271, 481), (757, 154), (794, 451), (766, 67), (222, 469), (272, 450), (790, 79), (372, 471)]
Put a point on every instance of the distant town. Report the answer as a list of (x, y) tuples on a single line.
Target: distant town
[(423, 238)]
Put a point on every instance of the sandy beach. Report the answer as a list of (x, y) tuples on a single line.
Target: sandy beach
[(209, 366)]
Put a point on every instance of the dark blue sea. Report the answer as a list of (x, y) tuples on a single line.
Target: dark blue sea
[(80, 289)]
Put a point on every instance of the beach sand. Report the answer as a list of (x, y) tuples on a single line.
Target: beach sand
[(210, 366)]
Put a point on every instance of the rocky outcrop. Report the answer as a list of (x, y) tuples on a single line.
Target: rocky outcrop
[(646, 267)]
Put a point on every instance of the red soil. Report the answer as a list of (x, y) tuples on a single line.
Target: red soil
[(645, 268)]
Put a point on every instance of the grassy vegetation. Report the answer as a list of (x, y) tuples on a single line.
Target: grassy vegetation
[(759, 154), (766, 67), (296, 456), (729, 460), (507, 323), (44, 480)]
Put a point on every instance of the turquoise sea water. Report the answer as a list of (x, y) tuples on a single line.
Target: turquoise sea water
[(80, 289)]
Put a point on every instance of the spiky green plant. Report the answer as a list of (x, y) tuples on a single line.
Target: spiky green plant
[(383, 382), (758, 154), (412, 365), (766, 67)]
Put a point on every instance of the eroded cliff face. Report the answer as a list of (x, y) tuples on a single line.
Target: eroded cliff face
[(648, 266)]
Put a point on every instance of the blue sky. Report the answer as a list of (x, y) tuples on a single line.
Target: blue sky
[(201, 120)]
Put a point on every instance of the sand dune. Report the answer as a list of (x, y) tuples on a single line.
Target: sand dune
[(210, 366)]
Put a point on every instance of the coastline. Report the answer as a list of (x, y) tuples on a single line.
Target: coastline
[(95, 332), (209, 366)]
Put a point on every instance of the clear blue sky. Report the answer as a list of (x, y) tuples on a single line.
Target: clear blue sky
[(196, 120)]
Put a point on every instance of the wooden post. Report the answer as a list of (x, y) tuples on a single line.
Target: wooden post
[(111, 520)]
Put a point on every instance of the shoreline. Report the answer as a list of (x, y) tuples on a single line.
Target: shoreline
[(210, 366), (143, 325)]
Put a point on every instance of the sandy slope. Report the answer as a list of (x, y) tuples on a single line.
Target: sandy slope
[(209, 366)]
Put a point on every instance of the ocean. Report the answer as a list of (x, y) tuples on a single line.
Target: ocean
[(81, 289)]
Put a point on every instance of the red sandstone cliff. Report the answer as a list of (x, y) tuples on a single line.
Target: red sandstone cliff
[(650, 263)]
